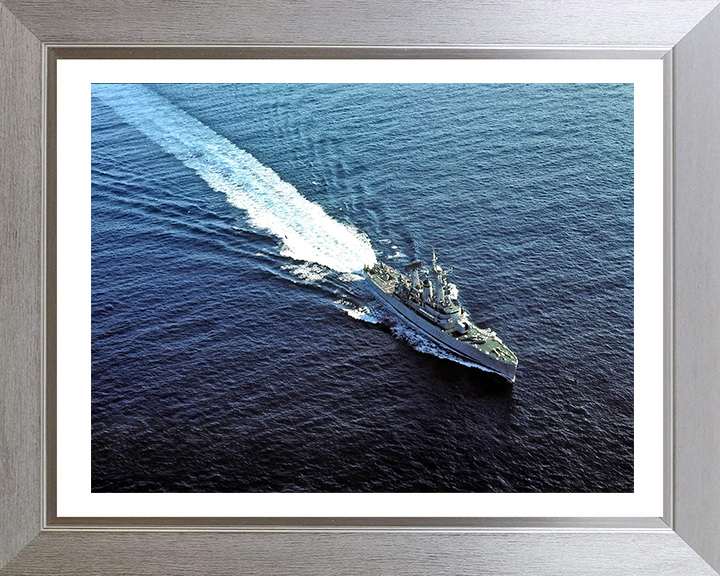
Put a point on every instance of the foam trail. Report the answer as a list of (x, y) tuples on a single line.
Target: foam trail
[(358, 312), (307, 232)]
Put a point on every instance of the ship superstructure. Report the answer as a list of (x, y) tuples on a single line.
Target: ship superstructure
[(426, 299)]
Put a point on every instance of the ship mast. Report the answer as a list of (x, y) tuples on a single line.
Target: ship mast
[(439, 277)]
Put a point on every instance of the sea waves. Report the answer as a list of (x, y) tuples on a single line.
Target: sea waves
[(306, 231)]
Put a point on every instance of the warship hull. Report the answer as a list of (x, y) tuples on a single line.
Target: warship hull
[(440, 337)]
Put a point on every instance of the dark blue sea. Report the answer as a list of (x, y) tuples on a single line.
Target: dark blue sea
[(236, 348)]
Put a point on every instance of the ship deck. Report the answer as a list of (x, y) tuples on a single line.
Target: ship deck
[(388, 282)]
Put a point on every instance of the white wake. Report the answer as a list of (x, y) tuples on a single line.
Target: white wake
[(307, 232)]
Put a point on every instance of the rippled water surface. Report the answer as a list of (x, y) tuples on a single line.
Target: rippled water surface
[(236, 348)]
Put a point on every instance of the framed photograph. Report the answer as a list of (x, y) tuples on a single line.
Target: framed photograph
[(313, 302), (382, 308)]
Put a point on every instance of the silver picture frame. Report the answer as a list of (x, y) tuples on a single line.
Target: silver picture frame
[(685, 34)]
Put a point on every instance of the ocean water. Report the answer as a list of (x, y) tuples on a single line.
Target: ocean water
[(236, 348)]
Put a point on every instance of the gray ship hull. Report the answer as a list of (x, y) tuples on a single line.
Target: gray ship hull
[(444, 340)]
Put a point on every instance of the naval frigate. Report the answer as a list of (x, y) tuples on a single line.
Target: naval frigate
[(429, 303)]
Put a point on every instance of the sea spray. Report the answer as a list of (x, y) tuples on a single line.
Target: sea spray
[(307, 232)]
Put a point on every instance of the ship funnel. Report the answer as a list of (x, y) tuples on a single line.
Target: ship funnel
[(413, 265)]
